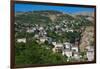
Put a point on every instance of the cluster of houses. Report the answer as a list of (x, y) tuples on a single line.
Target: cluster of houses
[(65, 48)]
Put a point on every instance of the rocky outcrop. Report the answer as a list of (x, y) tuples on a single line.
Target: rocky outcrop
[(87, 38)]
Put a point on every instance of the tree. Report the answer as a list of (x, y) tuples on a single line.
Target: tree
[(36, 54)]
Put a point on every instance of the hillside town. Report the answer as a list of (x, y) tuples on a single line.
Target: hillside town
[(52, 36), (51, 33)]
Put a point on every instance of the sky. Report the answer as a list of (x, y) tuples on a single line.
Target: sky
[(64, 9)]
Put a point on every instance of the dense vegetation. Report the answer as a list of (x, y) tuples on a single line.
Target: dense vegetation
[(34, 53)]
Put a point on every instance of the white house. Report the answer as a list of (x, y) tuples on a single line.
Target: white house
[(76, 55), (70, 30), (21, 40), (90, 55), (59, 45), (75, 48), (68, 53), (41, 28), (67, 45), (36, 36), (31, 30), (57, 26), (45, 32), (42, 40), (53, 43)]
